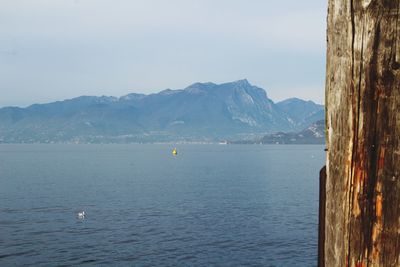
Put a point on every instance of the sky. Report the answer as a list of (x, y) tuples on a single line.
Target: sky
[(58, 49)]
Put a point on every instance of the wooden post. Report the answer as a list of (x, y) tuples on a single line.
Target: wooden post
[(362, 220), (321, 221)]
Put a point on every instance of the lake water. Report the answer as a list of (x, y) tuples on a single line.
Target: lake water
[(212, 205)]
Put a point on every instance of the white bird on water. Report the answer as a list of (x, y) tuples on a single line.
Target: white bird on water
[(81, 215)]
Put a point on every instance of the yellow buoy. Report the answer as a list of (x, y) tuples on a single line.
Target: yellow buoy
[(174, 152)]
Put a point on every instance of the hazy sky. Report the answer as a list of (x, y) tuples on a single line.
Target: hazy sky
[(56, 49)]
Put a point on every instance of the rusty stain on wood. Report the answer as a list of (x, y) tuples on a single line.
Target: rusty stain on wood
[(381, 160)]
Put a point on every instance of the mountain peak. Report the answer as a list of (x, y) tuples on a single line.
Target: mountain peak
[(244, 82), (298, 101), (293, 100), (132, 96), (239, 83), (200, 87), (169, 92)]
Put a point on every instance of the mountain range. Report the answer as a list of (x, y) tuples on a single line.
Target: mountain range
[(199, 112), (313, 134)]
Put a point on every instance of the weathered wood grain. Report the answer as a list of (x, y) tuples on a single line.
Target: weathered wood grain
[(362, 220)]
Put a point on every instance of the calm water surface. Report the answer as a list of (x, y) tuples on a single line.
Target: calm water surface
[(212, 205)]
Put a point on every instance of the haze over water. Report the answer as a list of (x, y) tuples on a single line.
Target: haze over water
[(211, 205)]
